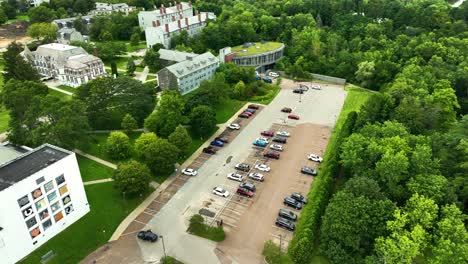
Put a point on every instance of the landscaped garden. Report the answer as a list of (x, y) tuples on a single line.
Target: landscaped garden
[(91, 170)]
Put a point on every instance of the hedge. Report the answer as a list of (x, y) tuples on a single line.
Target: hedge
[(307, 229)]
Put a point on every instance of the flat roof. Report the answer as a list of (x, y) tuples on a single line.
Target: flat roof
[(57, 46), (29, 163), (256, 48), (8, 153)]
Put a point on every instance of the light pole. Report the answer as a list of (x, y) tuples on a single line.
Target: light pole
[(164, 247)]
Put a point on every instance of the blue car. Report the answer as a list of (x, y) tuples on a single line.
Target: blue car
[(258, 77), (217, 143), (267, 80), (259, 143)]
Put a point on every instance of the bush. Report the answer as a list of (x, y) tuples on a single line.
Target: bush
[(132, 177), (199, 228), (118, 145), (273, 255)]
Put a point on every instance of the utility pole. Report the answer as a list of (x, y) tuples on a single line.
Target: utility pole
[(164, 247)]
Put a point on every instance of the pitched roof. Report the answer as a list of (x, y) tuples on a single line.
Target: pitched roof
[(80, 61), (168, 10), (174, 55), (188, 66), (193, 20)]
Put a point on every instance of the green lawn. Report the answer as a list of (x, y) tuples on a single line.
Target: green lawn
[(199, 228), (354, 99), (227, 109), (267, 98), (141, 45), (120, 61), (97, 145), (150, 77), (17, 18), (267, 46), (60, 94), (108, 209), (67, 88), (91, 170)]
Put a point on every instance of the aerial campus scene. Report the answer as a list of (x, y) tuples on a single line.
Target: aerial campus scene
[(233, 131)]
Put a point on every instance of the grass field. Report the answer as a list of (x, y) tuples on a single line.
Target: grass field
[(150, 77), (256, 49), (227, 109), (141, 45), (120, 61), (91, 170), (108, 209), (17, 18), (67, 88), (97, 145), (4, 119), (60, 95), (199, 228)]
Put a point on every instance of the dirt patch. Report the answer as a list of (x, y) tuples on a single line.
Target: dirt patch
[(13, 32)]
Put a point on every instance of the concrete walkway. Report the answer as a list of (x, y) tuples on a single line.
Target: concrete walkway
[(91, 157), (60, 90), (98, 181), (143, 74), (116, 130)]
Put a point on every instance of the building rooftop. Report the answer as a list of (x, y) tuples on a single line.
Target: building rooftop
[(188, 66), (185, 22), (8, 152), (168, 10), (71, 19), (57, 46), (26, 164), (254, 48), (174, 55)]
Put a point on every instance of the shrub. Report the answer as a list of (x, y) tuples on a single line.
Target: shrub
[(118, 145)]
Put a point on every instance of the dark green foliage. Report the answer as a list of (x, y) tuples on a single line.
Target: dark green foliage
[(181, 139), (132, 178), (168, 115), (151, 60), (202, 120), (16, 67), (199, 228), (41, 14), (110, 50), (118, 146), (119, 26)]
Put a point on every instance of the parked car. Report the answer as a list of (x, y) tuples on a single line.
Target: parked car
[(298, 197), (272, 154), (285, 223), (314, 157), (273, 74), (235, 177), (147, 235), (250, 110), (253, 106), (309, 170), (298, 91), (287, 214), (295, 117), (282, 140), (316, 87), (209, 150), (242, 167), (244, 192), (243, 115), (220, 192), (267, 133), (276, 147), (216, 143), (249, 186), (262, 167), (256, 176), (267, 80), (304, 87), (222, 139), (189, 172), (288, 201), (283, 133), (263, 139), (234, 126), (247, 113), (260, 143), (286, 110), (257, 77)]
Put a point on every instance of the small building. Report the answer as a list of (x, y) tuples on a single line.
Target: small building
[(108, 8), (162, 33), (165, 15), (261, 55), (68, 22), (67, 35), (42, 194), (169, 57), (71, 65), (186, 76)]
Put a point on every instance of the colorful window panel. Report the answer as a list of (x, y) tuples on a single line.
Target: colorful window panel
[(48, 186), (58, 217), (63, 190), (52, 196), (36, 193)]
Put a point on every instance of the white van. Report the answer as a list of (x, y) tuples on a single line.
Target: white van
[(273, 74)]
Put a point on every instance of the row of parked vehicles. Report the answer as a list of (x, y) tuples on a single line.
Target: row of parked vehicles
[(309, 170), (285, 217), (250, 111), (278, 137)]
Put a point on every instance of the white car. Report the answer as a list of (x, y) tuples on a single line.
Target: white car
[(234, 126), (256, 176), (235, 177), (220, 192), (283, 133), (273, 74), (189, 172), (316, 87), (262, 167), (276, 147), (314, 157), (264, 139)]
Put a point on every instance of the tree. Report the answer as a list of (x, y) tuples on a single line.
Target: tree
[(78, 24), (181, 139), (135, 39), (106, 36), (239, 91), (167, 115), (131, 67), (143, 142), (114, 69), (132, 177), (157, 153), (110, 50), (129, 123), (45, 31), (8, 9), (41, 14), (151, 60), (3, 17), (365, 73), (118, 145), (202, 120), (16, 67)]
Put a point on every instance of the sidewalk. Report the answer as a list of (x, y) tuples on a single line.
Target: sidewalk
[(98, 181), (91, 157)]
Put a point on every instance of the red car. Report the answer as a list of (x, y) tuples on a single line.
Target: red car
[(267, 133), (247, 113), (295, 117), (244, 192), (286, 110), (209, 150), (253, 106), (272, 154)]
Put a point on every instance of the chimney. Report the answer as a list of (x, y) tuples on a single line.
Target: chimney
[(161, 10), (173, 18), (206, 15), (196, 12), (199, 17), (158, 23), (178, 23), (180, 16), (190, 3), (154, 24), (186, 21), (167, 28)]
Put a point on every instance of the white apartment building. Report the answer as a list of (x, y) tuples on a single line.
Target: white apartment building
[(162, 33), (187, 75), (36, 2), (42, 194), (165, 14), (71, 65), (108, 8)]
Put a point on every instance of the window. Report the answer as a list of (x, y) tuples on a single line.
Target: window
[(63, 190), (40, 180), (55, 207), (23, 201), (36, 193), (52, 196), (48, 186), (60, 179), (31, 222)]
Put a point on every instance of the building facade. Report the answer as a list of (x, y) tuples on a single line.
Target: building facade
[(165, 15), (42, 194), (187, 75), (68, 22), (261, 60), (71, 65), (107, 9)]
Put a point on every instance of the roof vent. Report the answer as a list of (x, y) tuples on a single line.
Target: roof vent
[(51, 161)]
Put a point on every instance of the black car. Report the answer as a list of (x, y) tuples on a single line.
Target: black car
[(242, 167), (285, 223), (250, 110), (209, 150), (247, 185), (147, 236), (288, 201), (309, 170), (279, 140), (298, 197), (243, 116), (287, 214), (298, 91), (253, 106)]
